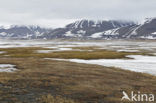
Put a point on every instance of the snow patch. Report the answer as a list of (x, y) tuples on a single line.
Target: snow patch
[(55, 50), (97, 35), (154, 33), (81, 32), (45, 51), (148, 37), (139, 63), (2, 52), (111, 32), (3, 33), (125, 50), (64, 49), (108, 32), (7, 68), (69, 34)]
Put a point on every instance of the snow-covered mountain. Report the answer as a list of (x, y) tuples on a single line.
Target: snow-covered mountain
[(86, 29), (22, 32), (104, 24), (144, 30)]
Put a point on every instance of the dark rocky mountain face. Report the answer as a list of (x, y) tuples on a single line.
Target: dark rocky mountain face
[(91, 27), (148, 28), (86, 29), (101, 25), (145, 30)]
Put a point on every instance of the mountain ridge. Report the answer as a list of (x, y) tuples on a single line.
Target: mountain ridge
[(86, 29)]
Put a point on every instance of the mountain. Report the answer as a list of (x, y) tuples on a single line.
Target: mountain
[(22, 32), (86, 29), (144, 30)]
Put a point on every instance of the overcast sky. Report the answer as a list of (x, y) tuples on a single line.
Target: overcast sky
[(55, 13)]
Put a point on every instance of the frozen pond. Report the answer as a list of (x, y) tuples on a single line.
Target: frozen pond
[(7, 68), (139, 63)]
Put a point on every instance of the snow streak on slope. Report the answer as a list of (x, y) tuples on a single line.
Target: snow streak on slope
[(108, 32)]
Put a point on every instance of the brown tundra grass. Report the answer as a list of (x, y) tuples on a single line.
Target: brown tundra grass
[(47, 81)]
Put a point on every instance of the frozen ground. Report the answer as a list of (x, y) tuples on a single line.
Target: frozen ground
[(139, 63), (132, 46), (7, 68)]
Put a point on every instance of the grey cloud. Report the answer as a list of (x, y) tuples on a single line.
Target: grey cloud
[(59, 12)]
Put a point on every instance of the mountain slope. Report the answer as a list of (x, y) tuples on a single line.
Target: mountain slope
[(27, 32), (86, 28), (146, 30)]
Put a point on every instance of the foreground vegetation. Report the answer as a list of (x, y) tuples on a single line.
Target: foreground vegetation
[(47, 81), (87, 53)]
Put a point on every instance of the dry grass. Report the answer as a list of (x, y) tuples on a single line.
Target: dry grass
[(51, 99), (78, 82), (96, 54)]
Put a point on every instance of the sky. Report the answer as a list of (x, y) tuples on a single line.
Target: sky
[(58, 13)]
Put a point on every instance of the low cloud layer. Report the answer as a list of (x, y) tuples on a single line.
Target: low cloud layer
[(55, 13)]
